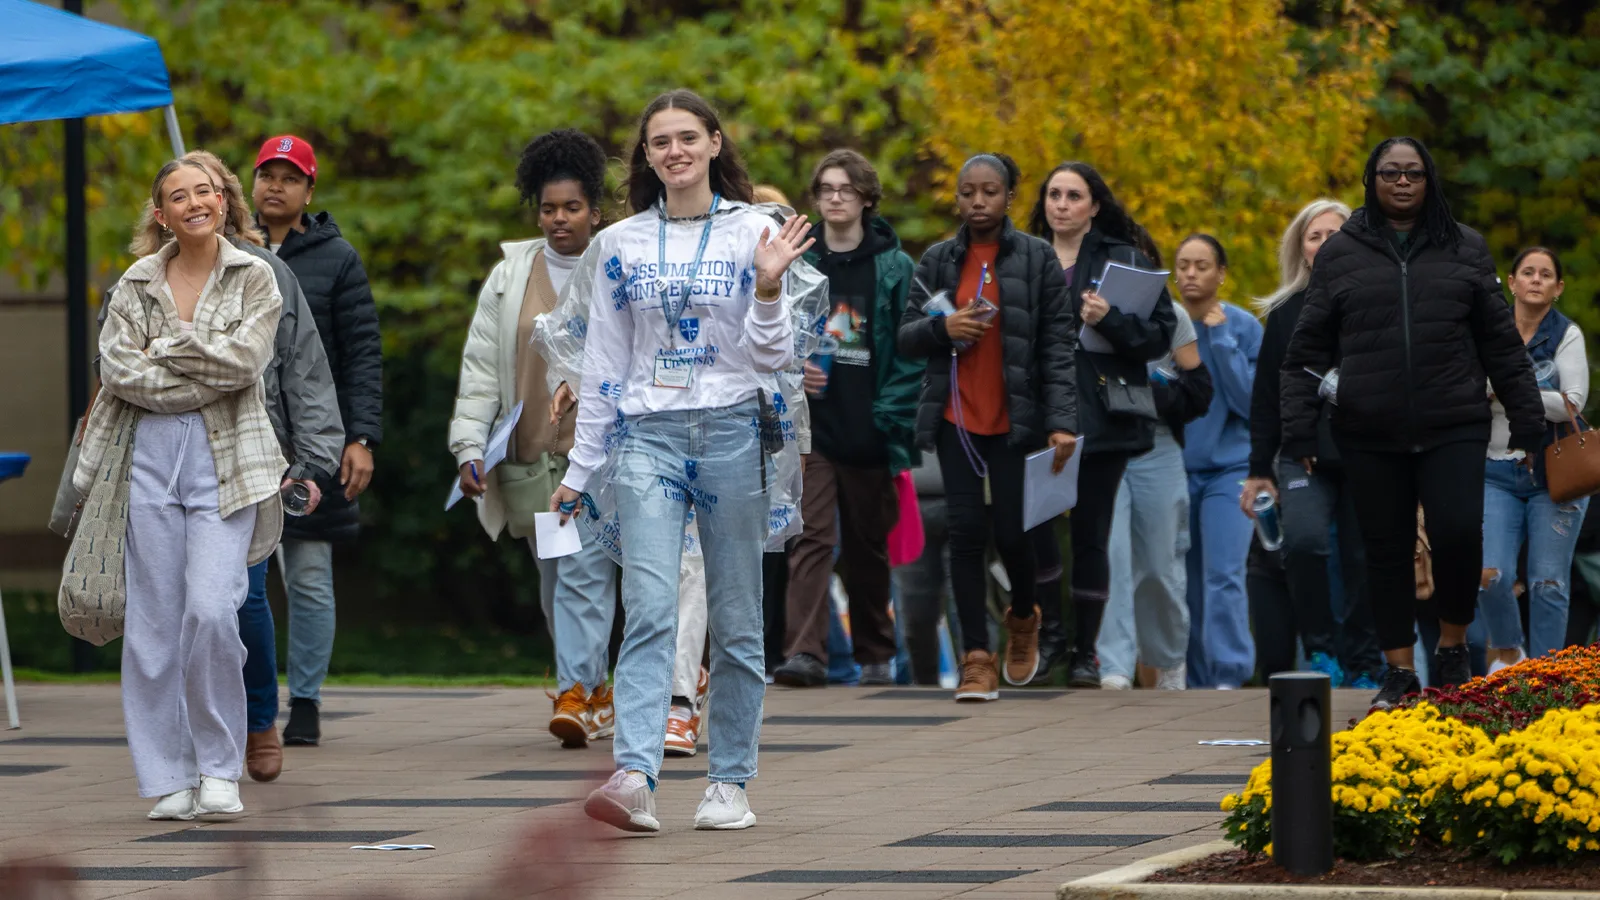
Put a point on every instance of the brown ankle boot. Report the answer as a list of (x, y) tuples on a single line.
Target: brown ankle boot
[(979, 680), (263, 754)]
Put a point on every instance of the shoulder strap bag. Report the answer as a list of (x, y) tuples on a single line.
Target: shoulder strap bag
[(1572, 463)]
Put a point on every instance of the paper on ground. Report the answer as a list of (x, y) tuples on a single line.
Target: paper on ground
[(1234, 742), (494, 453), (554, 540), (1047, 494), (394, 847), (1134, 291)]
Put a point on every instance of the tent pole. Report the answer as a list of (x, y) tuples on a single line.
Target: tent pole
[(174, 133)]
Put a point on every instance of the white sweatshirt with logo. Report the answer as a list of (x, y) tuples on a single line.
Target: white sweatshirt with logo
[(725, 344)]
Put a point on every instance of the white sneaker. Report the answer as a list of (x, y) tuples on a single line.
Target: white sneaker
[(1115, 683), (1499, 664), (725, 808), (1173, 679), (178, 806), (218, 797), (624, 802)]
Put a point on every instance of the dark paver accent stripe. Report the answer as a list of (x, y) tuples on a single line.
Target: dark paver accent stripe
[(1127, 806), (1202, 778), (481, 802), (933, 693), (236, 836), (332, 714), (44, 740), (1028, 840), (406, 695), (882, 876), (877, 721), (801, 748), (578, 775), (8, 770), (148, 873)]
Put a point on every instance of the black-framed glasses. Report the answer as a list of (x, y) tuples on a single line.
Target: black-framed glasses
[(1415, 176), (845, 193)]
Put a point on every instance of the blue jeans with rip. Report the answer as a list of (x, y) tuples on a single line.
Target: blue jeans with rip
[(655, 486), (1147, 615), (1221, 650), (308, 583), (261, 654), (1517, 508)]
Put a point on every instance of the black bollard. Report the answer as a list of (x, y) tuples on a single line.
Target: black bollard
[(1302, 772)]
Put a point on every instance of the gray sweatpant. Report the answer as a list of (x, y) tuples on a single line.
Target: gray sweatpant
[(182, 661)]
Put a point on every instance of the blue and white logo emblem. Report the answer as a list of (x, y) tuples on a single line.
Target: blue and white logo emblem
[(689, 328), (691, 468), (614, 268), (778, 405), (746, 279), (577, 327)]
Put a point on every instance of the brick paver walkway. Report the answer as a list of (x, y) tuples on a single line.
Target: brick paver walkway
[(863, 792)]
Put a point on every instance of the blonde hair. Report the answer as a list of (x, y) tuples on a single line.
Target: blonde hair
[(1294, 273), (238, 224), (766, 193)]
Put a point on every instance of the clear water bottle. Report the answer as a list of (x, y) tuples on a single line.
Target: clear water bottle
[(1268, 526)]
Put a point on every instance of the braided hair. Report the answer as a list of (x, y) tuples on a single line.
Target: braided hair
[(1434, 219), (563, 155)]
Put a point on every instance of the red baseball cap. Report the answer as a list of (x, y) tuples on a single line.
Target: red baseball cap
[(294, 149)]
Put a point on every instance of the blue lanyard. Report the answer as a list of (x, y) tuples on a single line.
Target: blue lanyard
[(673, 311)]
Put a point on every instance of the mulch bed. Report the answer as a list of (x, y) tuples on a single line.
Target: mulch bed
[(1428, 866)]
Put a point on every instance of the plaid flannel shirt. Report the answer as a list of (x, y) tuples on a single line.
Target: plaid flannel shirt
[(147, 361)]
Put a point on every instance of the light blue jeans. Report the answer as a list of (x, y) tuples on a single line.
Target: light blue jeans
[(1147, 615), (308, 582), (1221, 650), (1515, 508), (655, 484), (582, 605)]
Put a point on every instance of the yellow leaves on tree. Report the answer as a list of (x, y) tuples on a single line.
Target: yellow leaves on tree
[(1202, 115)]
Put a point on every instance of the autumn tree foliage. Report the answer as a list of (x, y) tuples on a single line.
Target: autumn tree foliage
[(1212, 116)]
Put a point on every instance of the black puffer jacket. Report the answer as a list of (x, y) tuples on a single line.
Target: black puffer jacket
[(1039, 330), (329, 271), (1136, 340), (1266, 420), (1414, 333)]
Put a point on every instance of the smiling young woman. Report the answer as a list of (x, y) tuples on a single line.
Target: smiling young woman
[(688, 320), (1405, 302), (189, 332)]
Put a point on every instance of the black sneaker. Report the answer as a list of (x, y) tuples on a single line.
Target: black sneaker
[(304, 728), (1053, 648), (1451, 666), (1084, 671), (1397, 685), (801, 670)]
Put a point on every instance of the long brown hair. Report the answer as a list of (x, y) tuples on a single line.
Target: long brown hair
[(147, 237), (728, 175)]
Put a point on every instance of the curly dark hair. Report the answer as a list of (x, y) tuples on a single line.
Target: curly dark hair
[(566, 154), (1434, 218)]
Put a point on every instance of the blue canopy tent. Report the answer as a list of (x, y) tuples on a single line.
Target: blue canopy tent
[(55, 64)]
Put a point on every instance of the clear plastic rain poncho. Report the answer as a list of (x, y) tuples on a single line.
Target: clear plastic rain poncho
[(628, 269)]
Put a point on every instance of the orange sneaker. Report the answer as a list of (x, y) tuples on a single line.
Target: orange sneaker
[(1022, 649), (702, 691), (683, 732), (602, 714), (570, 722), (979, 680)]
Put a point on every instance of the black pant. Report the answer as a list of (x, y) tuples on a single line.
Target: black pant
[(1099, 477), (1273, 619), (1448, 482), (774, 596), (1310, 506), (971, 523)]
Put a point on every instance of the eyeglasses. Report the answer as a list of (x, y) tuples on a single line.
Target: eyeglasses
[(1415, 176), (845, 193)]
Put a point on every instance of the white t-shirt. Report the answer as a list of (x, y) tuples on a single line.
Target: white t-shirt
[(560, 268)]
